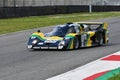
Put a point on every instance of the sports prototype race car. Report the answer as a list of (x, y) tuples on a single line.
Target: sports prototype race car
[(71, 36)]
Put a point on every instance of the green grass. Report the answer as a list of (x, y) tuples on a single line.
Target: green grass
[(18, 24), (115, 77)]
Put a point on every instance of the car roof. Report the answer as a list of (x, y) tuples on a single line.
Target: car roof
[(67, 25)]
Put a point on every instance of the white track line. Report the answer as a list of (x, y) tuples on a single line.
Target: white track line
[(89, 69)]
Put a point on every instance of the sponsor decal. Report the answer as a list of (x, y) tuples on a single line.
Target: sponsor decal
[(44, 47)]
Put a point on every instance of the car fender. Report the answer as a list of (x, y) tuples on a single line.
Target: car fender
[(71, 37)]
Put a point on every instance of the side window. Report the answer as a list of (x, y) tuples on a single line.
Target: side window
[(71, 30), (77, 30)]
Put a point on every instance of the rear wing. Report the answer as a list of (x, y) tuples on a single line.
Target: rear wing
[(90, 23), (103, 25)]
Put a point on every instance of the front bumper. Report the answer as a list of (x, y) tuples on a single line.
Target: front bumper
[(42, 47)]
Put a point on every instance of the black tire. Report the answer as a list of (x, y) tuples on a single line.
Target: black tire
[(76, 43), (99, 39)]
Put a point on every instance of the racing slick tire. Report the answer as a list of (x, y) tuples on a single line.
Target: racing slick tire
[(100, 39), (76, 43)]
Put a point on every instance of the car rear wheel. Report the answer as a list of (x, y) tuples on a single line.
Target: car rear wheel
[(76, 43), (100, 39)]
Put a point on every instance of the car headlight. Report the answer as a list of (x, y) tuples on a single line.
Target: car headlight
[(40, 43), (34, 42), (29, 46), (61, 44)]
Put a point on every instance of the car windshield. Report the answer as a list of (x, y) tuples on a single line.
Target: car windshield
[(60, 31)]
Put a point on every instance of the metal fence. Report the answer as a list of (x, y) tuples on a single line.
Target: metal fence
[(23, 3)]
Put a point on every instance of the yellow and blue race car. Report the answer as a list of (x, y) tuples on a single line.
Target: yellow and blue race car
[(71, 35)]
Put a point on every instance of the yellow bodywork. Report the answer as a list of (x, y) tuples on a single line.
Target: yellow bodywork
[(105, 25), (71, 45), (47, 38), (39, 34), (53, 38), (89, 42)]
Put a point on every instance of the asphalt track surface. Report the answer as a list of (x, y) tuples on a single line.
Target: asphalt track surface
[(19, 63)]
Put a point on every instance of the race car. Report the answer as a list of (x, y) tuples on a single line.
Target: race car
[(71, 35)]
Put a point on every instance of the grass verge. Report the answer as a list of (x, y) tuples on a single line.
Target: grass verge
[(18, 24), (115, 77)]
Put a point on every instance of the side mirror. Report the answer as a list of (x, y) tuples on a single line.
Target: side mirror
[(38, 31)]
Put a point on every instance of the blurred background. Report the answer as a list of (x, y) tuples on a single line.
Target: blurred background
[(21, 8), (20, 3)]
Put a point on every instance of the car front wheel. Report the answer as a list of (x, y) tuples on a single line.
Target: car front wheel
[(76, 43)]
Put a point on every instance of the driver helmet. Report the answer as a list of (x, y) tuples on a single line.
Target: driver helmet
[(85, 26)]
